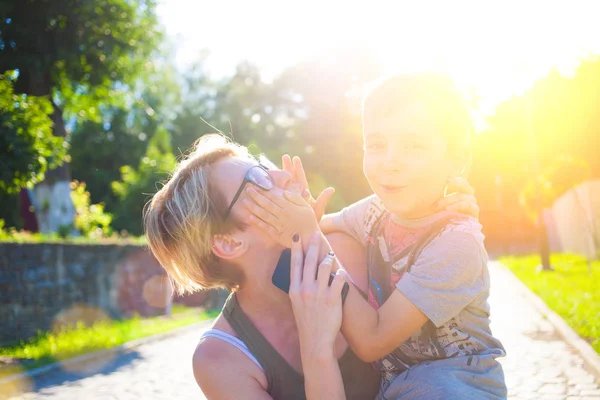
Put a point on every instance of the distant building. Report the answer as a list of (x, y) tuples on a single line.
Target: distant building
[(576, 220)]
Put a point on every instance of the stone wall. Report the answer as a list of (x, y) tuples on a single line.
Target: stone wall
[(47, 285)]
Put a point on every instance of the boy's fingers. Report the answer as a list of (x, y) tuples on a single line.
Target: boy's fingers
[(300, 174), (310, 261), (260, 212), (465, 208), (460, 185), (286, 164), (266, 199), (294, 198), (296, 264), (455, 198), (263, 225), (322, 201)]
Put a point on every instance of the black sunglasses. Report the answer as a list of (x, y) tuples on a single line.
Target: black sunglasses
[(257, 175)]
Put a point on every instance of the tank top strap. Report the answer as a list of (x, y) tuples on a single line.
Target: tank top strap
[(229, 338), (283, 380)]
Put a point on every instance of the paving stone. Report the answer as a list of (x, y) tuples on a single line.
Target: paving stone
[(586, 393), (586, 386), (553, 388)]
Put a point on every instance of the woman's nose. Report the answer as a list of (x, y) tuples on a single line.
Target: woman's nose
[(281, 178)]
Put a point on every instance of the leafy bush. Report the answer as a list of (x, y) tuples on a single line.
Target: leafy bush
[(90, 219)]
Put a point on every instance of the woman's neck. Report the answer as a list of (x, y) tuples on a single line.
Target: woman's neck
[(257, 295)]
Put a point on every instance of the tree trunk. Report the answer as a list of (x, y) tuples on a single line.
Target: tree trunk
[(51, 198)]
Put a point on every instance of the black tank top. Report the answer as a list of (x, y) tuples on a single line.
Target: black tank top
[(361, 380)]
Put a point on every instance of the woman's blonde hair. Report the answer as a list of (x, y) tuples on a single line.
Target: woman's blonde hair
[(184, 215)]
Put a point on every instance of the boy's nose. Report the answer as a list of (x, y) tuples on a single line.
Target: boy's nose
[(281, 178), (392, 161)]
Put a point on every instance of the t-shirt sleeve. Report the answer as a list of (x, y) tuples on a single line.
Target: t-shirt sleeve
[(446, 277), (352, 219)]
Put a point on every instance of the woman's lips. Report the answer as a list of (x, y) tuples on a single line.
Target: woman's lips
[(391, 189)]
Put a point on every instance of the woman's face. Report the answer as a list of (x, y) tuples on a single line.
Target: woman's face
[(405, 161), (230, 172)]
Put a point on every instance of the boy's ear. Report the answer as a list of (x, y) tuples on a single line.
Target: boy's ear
[(228, 247)]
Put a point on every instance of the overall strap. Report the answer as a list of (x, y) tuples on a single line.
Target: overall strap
[(378, 270)]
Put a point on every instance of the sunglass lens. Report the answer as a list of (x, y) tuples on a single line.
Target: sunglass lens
[(261, 178)]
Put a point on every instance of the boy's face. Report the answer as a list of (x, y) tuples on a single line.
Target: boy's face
[(405, 160)]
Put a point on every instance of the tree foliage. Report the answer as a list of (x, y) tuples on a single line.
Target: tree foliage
[(27, 146), (85, 53), (138, 184)]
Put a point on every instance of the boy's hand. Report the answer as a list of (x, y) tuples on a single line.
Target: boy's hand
[(280, 217), (460, 198), (296, 169)]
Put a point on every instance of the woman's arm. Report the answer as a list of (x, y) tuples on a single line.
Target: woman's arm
[(318, 314)]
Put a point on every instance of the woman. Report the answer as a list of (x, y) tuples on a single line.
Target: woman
[(199, 228)]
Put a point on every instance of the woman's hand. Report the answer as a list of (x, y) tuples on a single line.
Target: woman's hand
[(279, 216), (317, 306), (460, 198), (296, 169)]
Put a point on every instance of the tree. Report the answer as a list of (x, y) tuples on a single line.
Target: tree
[(82, 55), (556, 120), (137, 185)]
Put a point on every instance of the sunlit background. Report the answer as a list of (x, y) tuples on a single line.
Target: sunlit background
[(98, 99), (527, 66), (499, 48)]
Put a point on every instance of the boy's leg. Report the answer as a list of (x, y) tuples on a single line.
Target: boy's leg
[(461, 378)]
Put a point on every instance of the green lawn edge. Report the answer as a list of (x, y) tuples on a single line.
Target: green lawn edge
[(48, 348), (570, 290)]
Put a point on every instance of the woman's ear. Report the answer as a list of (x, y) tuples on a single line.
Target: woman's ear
[(227, 247)]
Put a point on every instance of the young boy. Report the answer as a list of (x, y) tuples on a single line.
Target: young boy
[(428, 328), (431, 336)]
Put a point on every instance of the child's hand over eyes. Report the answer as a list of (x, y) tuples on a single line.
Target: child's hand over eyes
[(281, 217)]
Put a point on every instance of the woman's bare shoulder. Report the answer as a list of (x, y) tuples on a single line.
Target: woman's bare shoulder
[(215, 361)]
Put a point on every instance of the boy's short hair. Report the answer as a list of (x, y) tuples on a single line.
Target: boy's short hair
[(184, 215), (436, 92)]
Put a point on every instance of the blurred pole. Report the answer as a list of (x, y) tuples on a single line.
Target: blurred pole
[(541, 226), (500, 215)]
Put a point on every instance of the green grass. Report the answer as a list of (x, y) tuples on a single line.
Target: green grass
[(570, 290), (49, 347), (27, 237)]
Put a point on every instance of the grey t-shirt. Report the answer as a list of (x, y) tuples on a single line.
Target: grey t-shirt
[(449, 282)]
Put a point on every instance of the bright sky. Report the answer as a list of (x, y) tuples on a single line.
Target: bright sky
[(499, 47)]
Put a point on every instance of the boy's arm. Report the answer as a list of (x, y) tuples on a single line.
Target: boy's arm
[(374, 333), (446, 277), (350, 220)]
